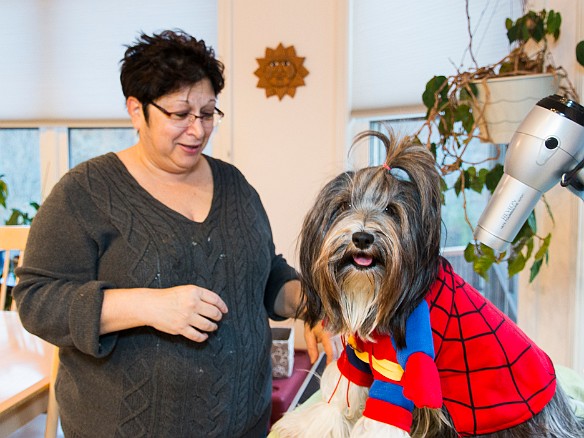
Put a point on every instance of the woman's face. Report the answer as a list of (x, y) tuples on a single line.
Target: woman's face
[(170, 147)]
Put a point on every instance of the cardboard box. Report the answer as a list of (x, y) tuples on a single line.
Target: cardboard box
[(282, 351)]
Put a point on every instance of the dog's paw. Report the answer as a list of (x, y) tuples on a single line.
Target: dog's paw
[(318, 420), (368, 428)]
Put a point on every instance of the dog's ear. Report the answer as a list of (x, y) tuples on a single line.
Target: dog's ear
[(330, 202)]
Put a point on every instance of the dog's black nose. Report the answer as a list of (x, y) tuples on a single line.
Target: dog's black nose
[(362, 239)]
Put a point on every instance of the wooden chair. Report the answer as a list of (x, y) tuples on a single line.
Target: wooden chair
[(12, 242), (52, 423)]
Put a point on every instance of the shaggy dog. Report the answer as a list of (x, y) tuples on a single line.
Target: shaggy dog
[(426, 354)]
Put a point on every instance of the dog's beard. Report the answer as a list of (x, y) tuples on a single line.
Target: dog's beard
[(359, 290), (350, 292)]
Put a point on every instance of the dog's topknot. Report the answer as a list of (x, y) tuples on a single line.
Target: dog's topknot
[(406, 154)]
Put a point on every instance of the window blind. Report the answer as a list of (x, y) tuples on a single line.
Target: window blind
[(60, 58), (398, 46)]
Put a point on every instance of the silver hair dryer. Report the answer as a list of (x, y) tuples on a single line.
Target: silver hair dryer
[(547, 148)]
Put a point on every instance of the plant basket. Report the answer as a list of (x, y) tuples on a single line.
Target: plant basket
[(504, 102)]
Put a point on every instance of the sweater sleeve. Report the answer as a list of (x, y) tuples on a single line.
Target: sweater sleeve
[(280, 273), (59, 298)]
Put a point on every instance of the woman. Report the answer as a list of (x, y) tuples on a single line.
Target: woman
[(154, 270)]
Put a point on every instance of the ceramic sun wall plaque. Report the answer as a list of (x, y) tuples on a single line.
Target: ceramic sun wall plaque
[(280, 72)]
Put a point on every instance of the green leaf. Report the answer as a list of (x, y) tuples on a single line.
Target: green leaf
[(527, 230), (493, 177), (443, 188), (433, 150), (580, 53), (532, 222), (472, 180), (537, 32), (470, 253), (543, 249), (553, 23), (464, 95), (516, 264), (459, 183), (432, 87), (13, 219), (487, 251), (549, 210), (535, 267), (511, 31), (477, 184), (482, 264), (481, 260), (463, 114), (3, 191), (446, 125)]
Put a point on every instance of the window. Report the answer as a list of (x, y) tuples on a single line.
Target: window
[(30, 159), (86, 143), (65, 73), (20, 169), (456, 232)]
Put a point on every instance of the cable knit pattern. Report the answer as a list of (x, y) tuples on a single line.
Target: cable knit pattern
[(142, 382)]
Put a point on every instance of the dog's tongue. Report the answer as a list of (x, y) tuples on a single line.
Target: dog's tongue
[(362, 260)]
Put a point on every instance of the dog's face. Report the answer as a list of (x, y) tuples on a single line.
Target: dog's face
[(369, 246)]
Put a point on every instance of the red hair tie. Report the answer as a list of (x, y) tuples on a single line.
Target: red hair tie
[(385, 166)]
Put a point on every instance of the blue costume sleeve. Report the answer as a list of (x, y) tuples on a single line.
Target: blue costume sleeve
[(418, 334)]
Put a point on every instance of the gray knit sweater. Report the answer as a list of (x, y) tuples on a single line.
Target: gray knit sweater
[(99, 229)]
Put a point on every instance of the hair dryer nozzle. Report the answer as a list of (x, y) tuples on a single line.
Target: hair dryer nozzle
[(507, 210)]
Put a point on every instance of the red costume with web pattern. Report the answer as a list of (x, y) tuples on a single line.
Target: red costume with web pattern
[(493, 376)]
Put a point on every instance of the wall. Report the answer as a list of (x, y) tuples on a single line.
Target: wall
[(550, 308), (287, 148)]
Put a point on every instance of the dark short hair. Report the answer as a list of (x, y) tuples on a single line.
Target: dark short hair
[(165, 62)]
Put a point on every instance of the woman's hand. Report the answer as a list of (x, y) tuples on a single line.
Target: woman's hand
[(189, 310), (331, 345)]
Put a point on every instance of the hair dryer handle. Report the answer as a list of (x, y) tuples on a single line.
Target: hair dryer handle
[(507, 210)]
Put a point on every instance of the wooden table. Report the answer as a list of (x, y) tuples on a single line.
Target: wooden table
[(25, 363)]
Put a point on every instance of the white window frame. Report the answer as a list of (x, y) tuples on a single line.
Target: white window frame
[(54, 146)]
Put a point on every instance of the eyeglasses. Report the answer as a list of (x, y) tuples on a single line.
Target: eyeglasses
[(183, 120)]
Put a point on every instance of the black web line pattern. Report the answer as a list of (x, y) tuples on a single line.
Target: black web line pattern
[(454, 302)]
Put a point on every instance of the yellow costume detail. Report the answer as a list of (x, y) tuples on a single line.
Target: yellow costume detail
[(387, 368)]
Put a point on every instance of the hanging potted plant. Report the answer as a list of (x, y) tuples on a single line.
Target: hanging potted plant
[(458, 108), (524, 76)]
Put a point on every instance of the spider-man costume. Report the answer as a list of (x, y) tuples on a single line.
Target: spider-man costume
[(491, 375)]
